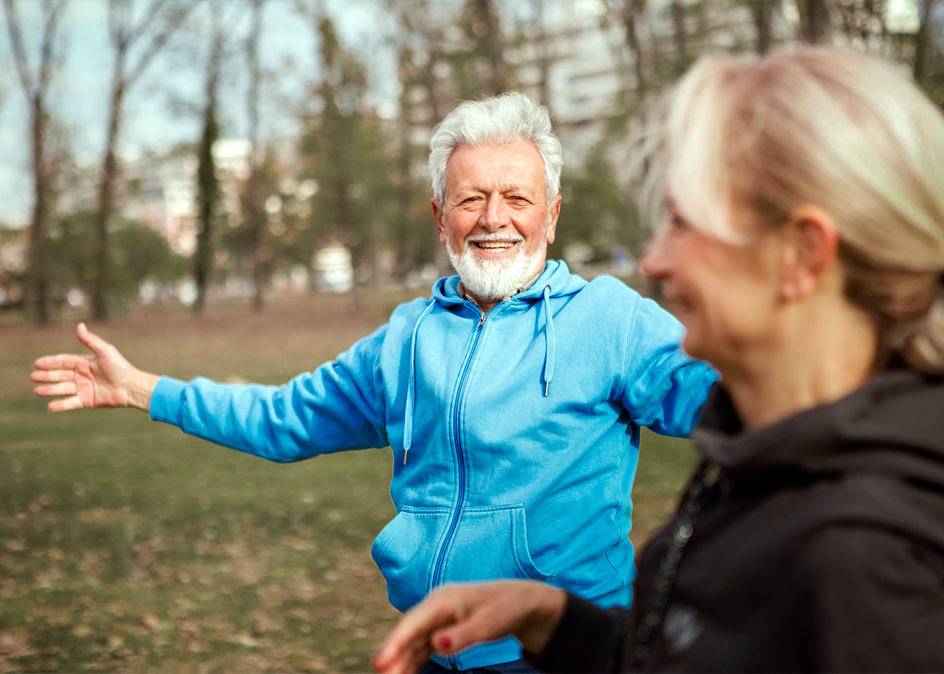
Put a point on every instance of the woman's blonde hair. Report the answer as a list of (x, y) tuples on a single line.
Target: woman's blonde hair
[(839, 129)]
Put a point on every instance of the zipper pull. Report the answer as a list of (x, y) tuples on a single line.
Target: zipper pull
[(482, 320), (405, 452)]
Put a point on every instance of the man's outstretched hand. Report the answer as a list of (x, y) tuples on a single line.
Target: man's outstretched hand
[(104, 379)]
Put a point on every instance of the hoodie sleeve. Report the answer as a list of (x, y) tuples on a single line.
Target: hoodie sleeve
[(663, 388), (339, 406)]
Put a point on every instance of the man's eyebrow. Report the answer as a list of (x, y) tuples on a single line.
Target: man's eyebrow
[(504, 188)]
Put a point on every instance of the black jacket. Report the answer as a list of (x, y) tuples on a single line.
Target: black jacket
[(819, 547)]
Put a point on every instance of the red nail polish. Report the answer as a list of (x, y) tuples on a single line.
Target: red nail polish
[(444, 642)]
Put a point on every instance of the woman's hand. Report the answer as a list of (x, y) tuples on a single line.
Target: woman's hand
[(104, 379), (458, 616)]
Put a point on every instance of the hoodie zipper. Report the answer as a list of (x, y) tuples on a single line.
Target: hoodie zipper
[(460, 464)]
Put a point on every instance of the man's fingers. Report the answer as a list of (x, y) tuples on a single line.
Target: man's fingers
[(63, 389), (92, 342), (62, 361), (66, 404), (52, 376)]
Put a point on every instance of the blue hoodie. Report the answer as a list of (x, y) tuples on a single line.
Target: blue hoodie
[(515, 434)]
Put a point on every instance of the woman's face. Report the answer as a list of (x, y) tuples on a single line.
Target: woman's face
[(725, 294)]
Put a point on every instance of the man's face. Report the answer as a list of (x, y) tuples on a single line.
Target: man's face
[(495, 221)]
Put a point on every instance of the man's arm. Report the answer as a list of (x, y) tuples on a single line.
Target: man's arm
[(663, 388), (103, 379), (339, 406)]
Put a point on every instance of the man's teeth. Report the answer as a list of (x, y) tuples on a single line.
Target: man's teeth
[(495, 244)]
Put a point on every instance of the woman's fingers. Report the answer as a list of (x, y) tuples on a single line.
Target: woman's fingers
[(407, 646), (410, 658), (484, 624)]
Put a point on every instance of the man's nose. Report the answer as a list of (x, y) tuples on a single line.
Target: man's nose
[(495, 216)]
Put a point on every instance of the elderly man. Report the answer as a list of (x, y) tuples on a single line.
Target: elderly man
[(512, 398)]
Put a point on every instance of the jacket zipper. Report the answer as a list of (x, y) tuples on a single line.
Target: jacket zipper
[(460, 464)]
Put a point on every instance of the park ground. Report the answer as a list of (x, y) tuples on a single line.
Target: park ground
[(126, 546)]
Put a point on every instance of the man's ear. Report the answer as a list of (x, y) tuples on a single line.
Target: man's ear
[(438, 217), (810, 249), (552, 214)]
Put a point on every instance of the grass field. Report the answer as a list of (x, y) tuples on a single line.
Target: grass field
[(126, 546)]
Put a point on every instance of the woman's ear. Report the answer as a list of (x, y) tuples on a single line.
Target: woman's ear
[(810, 248)]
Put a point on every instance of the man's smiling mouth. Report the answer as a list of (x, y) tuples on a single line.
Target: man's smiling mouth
[(494, 245)]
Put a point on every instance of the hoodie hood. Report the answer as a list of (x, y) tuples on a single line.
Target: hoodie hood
[(555, 281), (893, 425)]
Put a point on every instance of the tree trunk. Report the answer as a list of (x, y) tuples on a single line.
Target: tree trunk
[(680, 34), (207, 183), (761, 12), (208, 196), (106, 197), (485, 18), (814, 21), (255, 219), (37, 283), (920, 67), (631, 11)]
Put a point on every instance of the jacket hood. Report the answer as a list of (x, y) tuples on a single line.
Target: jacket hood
[(894, 425), (556, 277)]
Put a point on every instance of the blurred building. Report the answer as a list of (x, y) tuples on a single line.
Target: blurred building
[(160, 189)]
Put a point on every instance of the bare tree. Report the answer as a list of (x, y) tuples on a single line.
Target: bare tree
[(151, 32), (253, 212), (208, 188), (487, 28), (631, 12), (922, 39), (814, 21), (36, 86), (542, 53), (761, 14), (422, 105)]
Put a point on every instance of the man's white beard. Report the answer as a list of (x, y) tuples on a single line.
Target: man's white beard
[(495, 279)]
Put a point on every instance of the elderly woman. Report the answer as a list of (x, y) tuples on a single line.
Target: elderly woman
[(804, 251)]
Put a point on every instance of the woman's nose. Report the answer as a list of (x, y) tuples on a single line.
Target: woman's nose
[(655, 259)]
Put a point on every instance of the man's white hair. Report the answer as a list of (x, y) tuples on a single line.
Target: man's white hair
[(507, 119)]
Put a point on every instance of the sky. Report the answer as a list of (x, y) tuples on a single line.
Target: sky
[(162, 108)]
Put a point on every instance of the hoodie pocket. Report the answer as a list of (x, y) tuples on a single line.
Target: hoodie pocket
[(404, 550), (491, 543), (488, 543)]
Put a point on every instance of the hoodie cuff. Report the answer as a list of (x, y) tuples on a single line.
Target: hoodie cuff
[(165, 400)]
